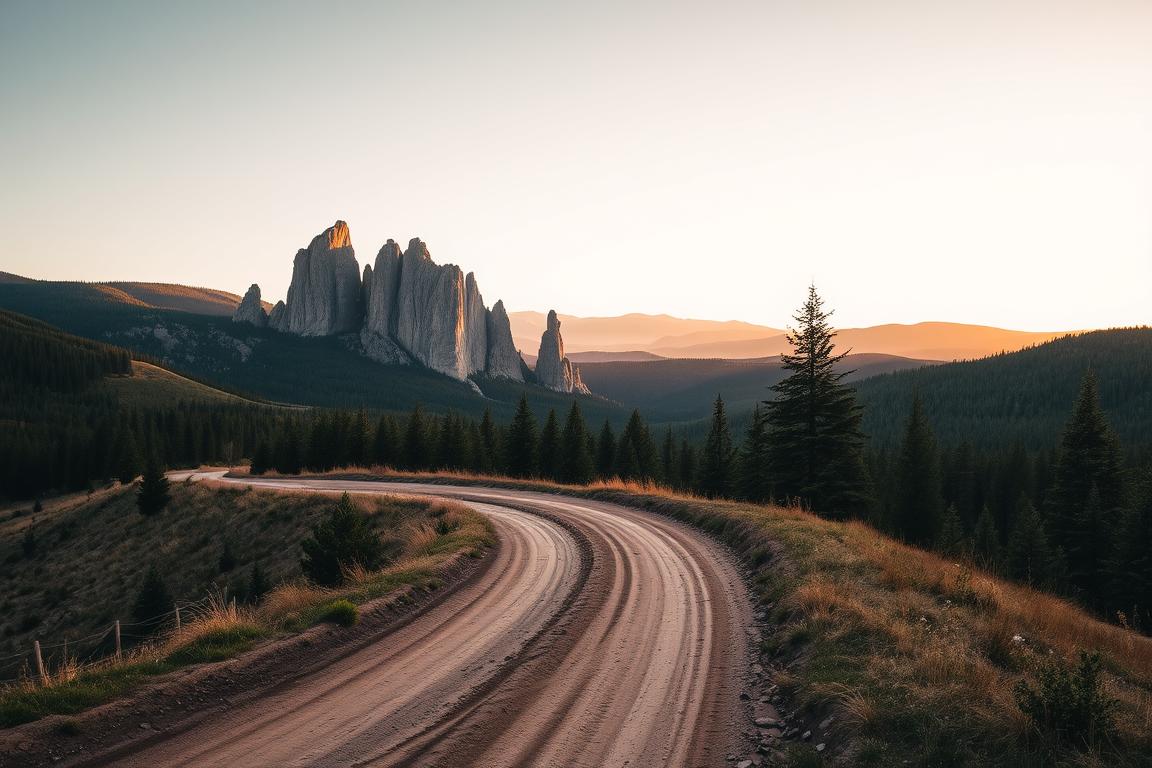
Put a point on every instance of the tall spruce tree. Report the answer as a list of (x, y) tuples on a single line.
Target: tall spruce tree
[(753, 479), (670, 461), (687, 471), (986, 540), (575, 459), (1086, 494), (491, 460), (606, 451), (522, 444), (919, 499), (814, 421), (1028, 556), (716, 460), (636, 456), (1131, 567), (384, 443), (549, 462), (417, 445)]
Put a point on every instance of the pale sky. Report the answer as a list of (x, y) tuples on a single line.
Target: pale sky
[(988, 161)]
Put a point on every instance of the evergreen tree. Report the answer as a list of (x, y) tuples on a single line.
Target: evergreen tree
[(550, 447), (687, 465), (289, 452), (636, 456), (753, 475), (260, 458), (716, 460), (918, 494), (343, 540), (606, 451), (521, 443), (490, 457), (950, 538), (1028, 556), (417, 449), (453, 447), (1131, 568), (986, 540), (153, 602), (128, 464), (816, 453), (257, 584), (384, 443), (1086, 494), (152, 496), (575, 459), (669, 460)]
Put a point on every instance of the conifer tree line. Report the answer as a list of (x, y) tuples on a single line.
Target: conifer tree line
[(1075, 517)]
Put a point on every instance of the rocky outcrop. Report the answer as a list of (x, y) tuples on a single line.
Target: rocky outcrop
[(553, 369), (250, 309), (325, 297), (406, 308), (503, 360), (276, 316), (435, 313)]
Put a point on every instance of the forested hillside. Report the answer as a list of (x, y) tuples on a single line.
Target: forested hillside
[(328, 372), (1019, 397)]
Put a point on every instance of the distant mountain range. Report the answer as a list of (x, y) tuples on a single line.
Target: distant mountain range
[(626, 337)]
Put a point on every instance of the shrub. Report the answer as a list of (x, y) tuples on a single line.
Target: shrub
[(342, 541), (1069, 704), (153, 494), (227, 559), (342, 612)]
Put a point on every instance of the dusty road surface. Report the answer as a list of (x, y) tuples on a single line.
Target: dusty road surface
[(600, 636)]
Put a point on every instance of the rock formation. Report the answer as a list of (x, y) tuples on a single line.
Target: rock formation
[(250, 309), (325, 297), (553, 369), (435, 313), (503, 359), (406, 308)]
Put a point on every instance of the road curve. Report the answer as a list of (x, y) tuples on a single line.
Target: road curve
[(599, 636)]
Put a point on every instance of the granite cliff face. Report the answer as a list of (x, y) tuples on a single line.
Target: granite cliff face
[(325, 297), (435, 313), (250, 309), (553, 369), (405, 308)]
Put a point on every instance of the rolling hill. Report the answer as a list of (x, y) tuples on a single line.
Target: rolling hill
[(683, 390), (672, 337), (283, 368), (183, 298)]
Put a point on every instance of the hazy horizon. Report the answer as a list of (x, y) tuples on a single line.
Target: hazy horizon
[(989, 164)]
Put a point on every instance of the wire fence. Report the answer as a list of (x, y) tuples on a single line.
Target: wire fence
[(99, 647)]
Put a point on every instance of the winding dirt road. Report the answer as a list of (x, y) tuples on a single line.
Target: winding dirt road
[(599, 636)]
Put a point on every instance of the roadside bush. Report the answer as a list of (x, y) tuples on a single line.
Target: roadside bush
[(1069, 704), (342, 612), (342, 541)]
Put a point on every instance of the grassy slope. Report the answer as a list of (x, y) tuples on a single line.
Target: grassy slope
[(87, 572), (911, 654)]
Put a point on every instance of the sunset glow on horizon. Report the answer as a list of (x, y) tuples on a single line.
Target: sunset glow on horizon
[(987, 164)]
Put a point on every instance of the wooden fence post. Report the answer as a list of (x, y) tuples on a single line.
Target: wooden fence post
[(117, 639), (40, 664)]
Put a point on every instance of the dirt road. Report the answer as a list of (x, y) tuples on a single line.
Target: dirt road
[(600, 636)]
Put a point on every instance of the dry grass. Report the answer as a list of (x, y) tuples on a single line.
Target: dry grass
[(105, 543), (918, 654)]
